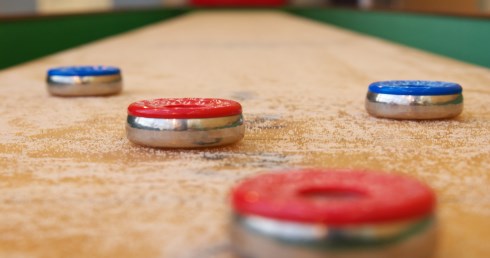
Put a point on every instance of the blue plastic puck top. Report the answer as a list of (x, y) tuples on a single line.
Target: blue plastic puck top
[(97, 70), (417, 88)]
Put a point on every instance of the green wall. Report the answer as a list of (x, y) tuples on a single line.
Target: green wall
[(26, 39), (463, 38), (466, 39)]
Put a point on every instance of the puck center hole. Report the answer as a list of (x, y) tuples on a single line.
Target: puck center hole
[(331, 193)]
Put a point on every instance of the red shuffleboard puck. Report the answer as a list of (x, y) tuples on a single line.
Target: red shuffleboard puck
[(185, 122), (330, 213)]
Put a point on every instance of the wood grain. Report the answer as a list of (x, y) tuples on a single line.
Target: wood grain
[(71, 185)]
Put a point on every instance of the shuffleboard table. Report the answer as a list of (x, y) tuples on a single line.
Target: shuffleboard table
[(72, 185)]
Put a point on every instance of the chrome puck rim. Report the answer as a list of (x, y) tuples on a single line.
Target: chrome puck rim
[(99, 85), (414, 107), (334, 237), (259, 237), (185, 133)]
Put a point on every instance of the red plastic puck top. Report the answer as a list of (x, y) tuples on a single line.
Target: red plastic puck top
[(185, 108), (333, 197)]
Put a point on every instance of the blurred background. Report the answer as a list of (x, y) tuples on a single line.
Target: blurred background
[(31, 7), (459, 29)]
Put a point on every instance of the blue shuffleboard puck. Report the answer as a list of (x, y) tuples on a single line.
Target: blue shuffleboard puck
[(84, 80), (414, 99)]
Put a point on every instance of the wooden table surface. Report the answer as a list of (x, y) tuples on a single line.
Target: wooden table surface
[(71, 185)]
